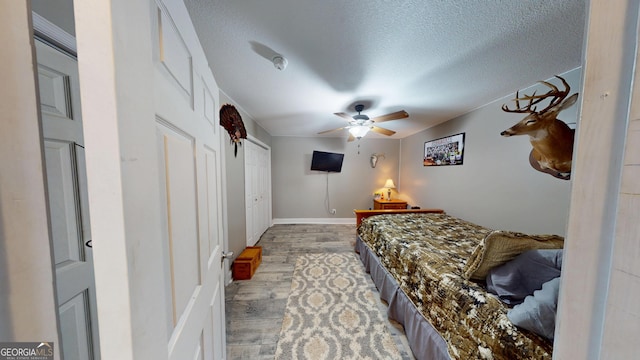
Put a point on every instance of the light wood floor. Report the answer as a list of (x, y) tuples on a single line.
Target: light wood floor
[(255, 308)]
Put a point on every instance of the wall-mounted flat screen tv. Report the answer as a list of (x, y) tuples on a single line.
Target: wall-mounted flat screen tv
[(326, 161)]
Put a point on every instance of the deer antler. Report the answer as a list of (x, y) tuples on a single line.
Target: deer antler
[(556, 94), (551, 138)]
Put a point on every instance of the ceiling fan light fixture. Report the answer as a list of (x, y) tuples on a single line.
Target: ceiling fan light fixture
[(359, 131), (280, 62), (360, 124)]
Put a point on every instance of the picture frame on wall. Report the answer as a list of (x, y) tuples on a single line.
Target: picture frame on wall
[(448, 150)]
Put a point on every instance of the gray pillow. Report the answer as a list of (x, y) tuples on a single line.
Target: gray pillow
[(538, 311), (520, 277)]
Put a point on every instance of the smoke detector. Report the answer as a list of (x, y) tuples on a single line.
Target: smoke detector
[(279, 62)]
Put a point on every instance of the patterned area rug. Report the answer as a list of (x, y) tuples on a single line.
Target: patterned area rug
[(332, 312)]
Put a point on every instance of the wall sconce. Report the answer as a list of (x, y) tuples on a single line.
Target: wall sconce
[(373, 160), (389, 185)]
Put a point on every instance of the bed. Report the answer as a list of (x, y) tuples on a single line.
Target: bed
[(434, 271)]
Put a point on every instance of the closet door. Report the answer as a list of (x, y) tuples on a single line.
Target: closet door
[(257, 190), (264, 189)]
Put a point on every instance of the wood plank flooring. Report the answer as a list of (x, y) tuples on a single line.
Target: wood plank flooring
[(255, 308)]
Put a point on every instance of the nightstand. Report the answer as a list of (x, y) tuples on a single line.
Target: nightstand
[(389, 204)]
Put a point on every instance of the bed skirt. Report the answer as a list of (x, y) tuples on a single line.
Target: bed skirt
[(424, 340)]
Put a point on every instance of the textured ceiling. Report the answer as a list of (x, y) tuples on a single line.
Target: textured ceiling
[(436, 59)]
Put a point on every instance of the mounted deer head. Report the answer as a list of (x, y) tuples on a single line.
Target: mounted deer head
[(552, 139), (373, 160)]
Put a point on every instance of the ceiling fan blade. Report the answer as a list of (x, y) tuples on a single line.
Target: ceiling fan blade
[(328, 131), (344, 115), (351, 138), (392, 116), (382, 131)]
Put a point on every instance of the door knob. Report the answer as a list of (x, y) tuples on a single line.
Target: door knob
[(225, 255)]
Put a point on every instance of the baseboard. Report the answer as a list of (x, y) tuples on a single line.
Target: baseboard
[(345, 221)]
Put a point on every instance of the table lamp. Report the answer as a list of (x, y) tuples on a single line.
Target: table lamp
[(389, 185)]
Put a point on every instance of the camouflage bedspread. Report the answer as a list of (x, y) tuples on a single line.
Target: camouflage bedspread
[(426, 254)]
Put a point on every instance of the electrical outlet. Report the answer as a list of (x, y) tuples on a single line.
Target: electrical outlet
[(333, 211)]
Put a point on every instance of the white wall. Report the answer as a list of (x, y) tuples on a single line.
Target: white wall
[(495, 187), (598, 308), (299, 193)]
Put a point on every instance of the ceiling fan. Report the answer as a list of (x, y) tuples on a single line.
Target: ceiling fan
[(359, 125)]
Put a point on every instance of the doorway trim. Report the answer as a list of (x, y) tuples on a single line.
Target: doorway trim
[(51, 33)]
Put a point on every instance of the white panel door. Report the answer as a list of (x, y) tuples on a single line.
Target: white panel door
[(188, 152), (250, 172), (257, 191), (264, 190), (69, 211)]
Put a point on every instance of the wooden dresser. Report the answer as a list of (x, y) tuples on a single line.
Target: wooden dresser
[(389, 204)]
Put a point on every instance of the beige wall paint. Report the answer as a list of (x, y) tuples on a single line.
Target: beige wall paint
[(28, 309), (234, 168), (495, 187), (299, 193), (235, 177)]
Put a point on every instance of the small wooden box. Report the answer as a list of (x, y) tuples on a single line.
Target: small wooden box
[(247, 263)]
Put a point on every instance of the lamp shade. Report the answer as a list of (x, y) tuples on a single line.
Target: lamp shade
[(359, 131), (389, 184)]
